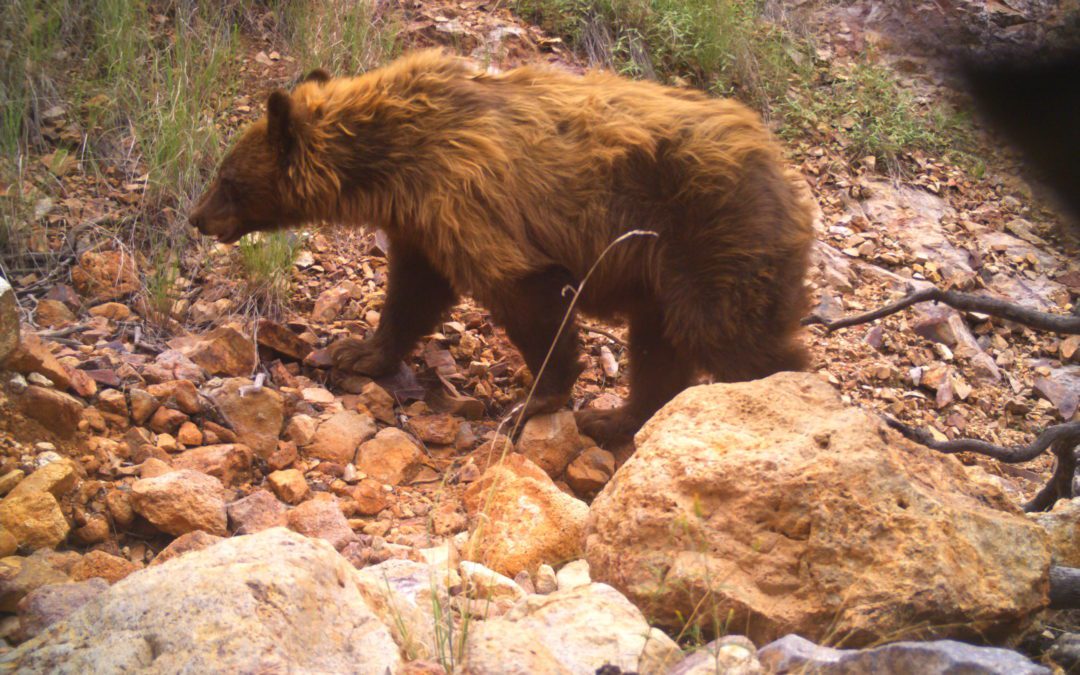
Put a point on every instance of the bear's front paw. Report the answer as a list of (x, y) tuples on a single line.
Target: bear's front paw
[(362, 357), (608, 428)]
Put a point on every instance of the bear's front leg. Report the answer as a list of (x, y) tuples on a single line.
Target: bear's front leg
[(531, 309), (417, 296)]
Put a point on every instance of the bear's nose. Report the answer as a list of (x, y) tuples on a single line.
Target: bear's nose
[(196, 221)]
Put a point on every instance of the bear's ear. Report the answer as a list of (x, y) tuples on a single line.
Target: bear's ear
[(280, 123), (318, 76)]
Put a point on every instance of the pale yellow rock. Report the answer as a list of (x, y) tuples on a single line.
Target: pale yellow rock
[(519, 519), (796, 514), (34, 519)]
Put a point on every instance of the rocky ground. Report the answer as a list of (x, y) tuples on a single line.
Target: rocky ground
[(129, 439)]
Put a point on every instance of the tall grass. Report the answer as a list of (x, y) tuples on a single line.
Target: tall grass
[(266, 261), (346, 37)]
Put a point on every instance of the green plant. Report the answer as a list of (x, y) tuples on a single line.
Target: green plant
[(266, 262)]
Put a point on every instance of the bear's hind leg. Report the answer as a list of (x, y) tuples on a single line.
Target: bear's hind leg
[(658, 372), (416, 298), (531, 310)]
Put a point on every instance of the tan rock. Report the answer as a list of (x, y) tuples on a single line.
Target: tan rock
[(57, 477), (223, 351), (486, 584), (391, 457), (322, 519), (337, 438), (521, 519), (171, 365), (8, 543), (166, 420), (794, 513), (257, 512), (290, 485), (113, 311), (177, 394), (440, 429), (301, 429), (280, 339), (52, 313), (550, 441), (109, 567), (180, 502), (317, 396), (118, 503), (329, 304), (106, 275), (9, 480), (32, 356), (255, 416), (590, 471), (34, 519), (152, 467), (58, 412), (284, 457), (379, 402), (185, 543), (189, 435), (231, 463), (95, 531), (369, 496), (113, 401), (143, 405)]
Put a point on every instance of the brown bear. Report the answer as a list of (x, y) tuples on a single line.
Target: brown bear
[(507, 187)]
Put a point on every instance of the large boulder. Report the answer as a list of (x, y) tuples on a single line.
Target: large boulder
[(271, 602), (577, 631), (521, 520), (774, 505)]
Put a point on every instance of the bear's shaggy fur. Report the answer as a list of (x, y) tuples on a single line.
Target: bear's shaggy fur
[(508, 186)]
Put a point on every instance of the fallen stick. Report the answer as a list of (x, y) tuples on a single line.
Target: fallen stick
[(968, 302)]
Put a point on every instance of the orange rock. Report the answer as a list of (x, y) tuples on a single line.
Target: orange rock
[(32, 356), (222, 351), (109, 567), (106, 275)]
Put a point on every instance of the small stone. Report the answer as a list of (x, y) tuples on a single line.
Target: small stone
[(289, 485), (60, 413), (95, 531), (189, 435), (255, 416), (590, 471), (177, 394), (9, 320), (369, 496), (180, 502), (284, 457), (391, 457), (152, 467), (546, 580), (321, 518), (440, 429), (109, 567), (573, 574), (301, 429), (52, 314), (223, 351), (8, 543), (280, 339), (379, 402), (56, 477), (167, 442), (118, 503), (329, 304), (106, 275), (337, 439), (143, 405), (170, 365), (317, 395), (231, 463), (166, 420), (487, 584), (257, 512), (35, 519), (10, 479), (113, 311), (185, 543), (551, 441)]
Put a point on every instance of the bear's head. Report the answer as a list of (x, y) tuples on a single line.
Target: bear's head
[(254, 187)]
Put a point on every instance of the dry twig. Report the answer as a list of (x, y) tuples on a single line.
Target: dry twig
[(1057, 323)]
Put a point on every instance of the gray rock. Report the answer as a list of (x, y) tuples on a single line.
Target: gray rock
[(9, 319), (270, 602), (793, 654)]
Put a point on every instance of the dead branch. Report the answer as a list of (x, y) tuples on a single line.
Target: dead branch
[(968, 302), (1062, 439), (608, 334)]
